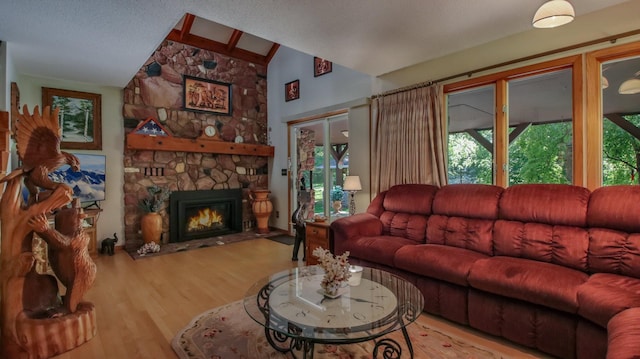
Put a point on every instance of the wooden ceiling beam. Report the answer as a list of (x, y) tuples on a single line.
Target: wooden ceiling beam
[(518, 131), (624, 124), (481, 140), (233, 40), (272, 52), (186, 25)]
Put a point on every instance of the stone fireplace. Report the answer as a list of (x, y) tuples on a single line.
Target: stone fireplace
[(187, 160), (204, 214)]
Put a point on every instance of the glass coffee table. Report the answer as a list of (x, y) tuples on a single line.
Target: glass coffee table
[(296, 315)]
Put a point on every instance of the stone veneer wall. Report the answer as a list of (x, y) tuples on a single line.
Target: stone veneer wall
[(156, 91)]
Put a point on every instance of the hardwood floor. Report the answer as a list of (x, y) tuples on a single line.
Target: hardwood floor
[(141, 304)]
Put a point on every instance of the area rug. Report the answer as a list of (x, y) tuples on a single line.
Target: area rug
[(228, 332), (284, 239)]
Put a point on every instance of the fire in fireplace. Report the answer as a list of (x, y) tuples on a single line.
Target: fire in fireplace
[(204, 214)]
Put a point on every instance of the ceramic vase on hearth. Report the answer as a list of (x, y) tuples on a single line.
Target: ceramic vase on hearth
[(151, 226), (262, 208)]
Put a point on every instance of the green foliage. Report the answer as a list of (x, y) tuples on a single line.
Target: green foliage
[(542, 154), (469, 162), (157, 197)]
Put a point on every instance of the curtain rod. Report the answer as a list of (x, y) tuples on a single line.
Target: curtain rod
[(611, 38)]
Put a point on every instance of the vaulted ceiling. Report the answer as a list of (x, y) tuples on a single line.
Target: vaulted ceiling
[(106, 42), (205, 34)]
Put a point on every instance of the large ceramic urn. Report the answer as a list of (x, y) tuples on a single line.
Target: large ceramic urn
[(151, 226), (262, 209)]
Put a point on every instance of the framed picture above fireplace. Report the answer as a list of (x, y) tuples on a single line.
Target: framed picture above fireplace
[(204, 95)]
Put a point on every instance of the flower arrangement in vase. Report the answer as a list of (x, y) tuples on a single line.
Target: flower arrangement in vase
[(336, 270)]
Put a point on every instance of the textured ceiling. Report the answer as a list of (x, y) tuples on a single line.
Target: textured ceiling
[(106, 42)]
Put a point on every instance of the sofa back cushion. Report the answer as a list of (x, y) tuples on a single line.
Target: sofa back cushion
[(404, 210), (544, 222), (614, 233), (463, 216)]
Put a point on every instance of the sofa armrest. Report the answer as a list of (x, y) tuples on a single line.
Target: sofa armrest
[(353, 227), (623, 333)]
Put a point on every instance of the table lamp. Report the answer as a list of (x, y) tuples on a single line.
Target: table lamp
[(352, 185)]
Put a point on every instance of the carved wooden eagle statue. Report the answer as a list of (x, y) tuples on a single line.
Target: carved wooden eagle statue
[(38, 143)]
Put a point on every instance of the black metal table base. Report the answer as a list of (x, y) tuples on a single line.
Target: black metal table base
[(285, 344), (389, 348)]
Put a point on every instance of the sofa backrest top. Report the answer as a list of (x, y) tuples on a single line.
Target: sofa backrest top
[(468, 200), (409, 198), (554, 204), (615, 207)]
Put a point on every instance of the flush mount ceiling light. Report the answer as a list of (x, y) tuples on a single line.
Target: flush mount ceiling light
[(631, 86), (553, 13)]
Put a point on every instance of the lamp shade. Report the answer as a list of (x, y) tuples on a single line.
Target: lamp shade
[(631, 86), (553, 13), (352, 183)]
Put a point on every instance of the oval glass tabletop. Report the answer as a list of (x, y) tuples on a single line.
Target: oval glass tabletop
[(292, 304)]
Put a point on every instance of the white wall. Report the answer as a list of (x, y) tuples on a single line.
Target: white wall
[(340, 89), (4, 84), (112, 217)]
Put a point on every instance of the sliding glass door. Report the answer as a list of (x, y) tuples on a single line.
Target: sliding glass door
[(320, 162)]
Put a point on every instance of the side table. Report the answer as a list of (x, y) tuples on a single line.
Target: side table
[(317, 235)]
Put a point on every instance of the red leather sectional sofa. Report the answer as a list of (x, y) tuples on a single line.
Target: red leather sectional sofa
[(552, 267)]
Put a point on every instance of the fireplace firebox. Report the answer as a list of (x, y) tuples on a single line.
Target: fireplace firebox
[(204, 214)]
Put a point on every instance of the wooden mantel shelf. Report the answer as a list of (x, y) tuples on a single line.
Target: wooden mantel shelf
[(145, 142)]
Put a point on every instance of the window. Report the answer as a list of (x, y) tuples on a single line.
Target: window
[(529, 138), (540, 128), (470, 141), (621, 124), (613, 132), (321, 149)]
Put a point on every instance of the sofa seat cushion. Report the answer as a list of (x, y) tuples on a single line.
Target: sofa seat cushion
[(536, 282), (378, 249), (604, 295), (624, 335), (450, 264)]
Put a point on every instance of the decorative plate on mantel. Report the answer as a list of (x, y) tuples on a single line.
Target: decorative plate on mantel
[(151, 127)]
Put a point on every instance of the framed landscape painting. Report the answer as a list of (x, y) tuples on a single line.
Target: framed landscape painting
[(204, 95), (79, 117)]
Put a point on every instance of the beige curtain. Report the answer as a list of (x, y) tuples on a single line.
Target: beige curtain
[(409, 138)]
